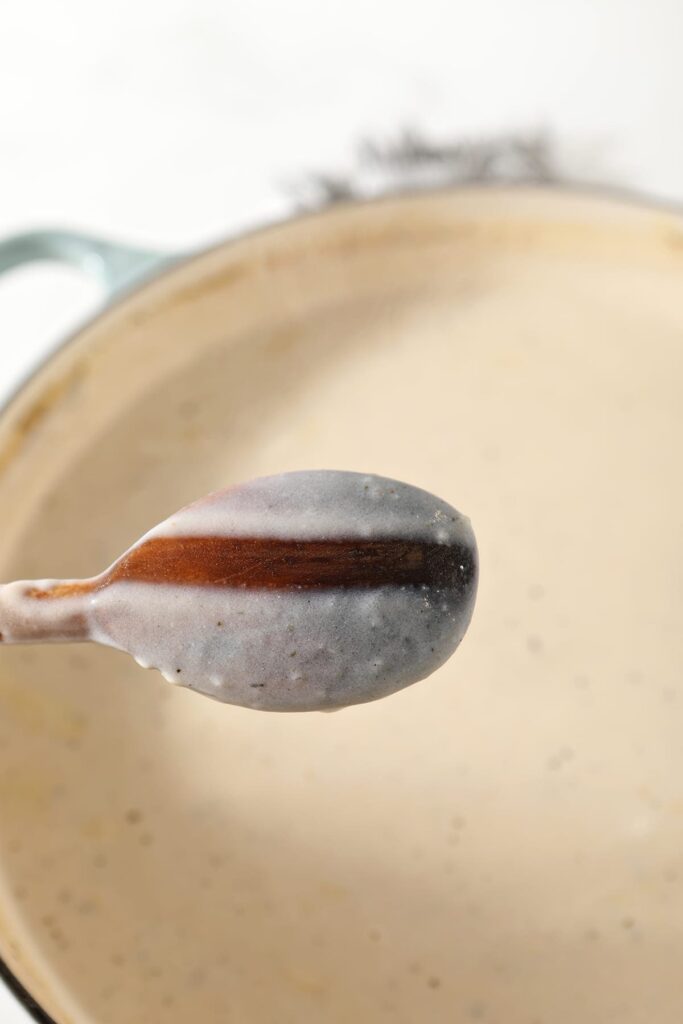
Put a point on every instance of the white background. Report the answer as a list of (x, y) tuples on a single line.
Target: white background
[(172, 123)]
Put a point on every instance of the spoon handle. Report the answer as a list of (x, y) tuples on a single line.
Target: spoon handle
[(44, 612)]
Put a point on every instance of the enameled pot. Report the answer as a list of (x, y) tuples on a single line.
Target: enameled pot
[(500, 843)]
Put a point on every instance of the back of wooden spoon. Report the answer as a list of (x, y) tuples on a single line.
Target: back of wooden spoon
[(303, 591)]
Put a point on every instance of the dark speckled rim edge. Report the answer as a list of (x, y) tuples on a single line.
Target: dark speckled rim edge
[(23, 996), (615, 194)]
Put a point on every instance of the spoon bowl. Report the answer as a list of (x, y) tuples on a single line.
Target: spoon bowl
[(299, 592)]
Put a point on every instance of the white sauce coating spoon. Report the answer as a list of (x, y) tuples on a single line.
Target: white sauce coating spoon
[(298, 592)]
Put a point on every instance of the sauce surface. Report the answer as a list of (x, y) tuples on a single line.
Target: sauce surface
[(500, 843)]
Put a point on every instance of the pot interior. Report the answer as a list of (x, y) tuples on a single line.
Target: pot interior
[(502, 842)]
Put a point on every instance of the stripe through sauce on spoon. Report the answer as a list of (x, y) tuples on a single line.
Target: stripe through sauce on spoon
[(302, 591)]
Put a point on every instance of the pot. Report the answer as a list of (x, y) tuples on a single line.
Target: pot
[(502, 842)]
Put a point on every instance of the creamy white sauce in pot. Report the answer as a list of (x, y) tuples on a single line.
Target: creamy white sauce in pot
[(500, 843)]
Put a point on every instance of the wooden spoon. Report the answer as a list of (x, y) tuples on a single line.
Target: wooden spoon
[(298, 592)]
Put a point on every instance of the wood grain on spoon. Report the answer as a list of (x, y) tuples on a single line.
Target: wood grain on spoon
[(272, 563)]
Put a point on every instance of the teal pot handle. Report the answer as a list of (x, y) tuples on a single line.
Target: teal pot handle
[(112, 265)]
